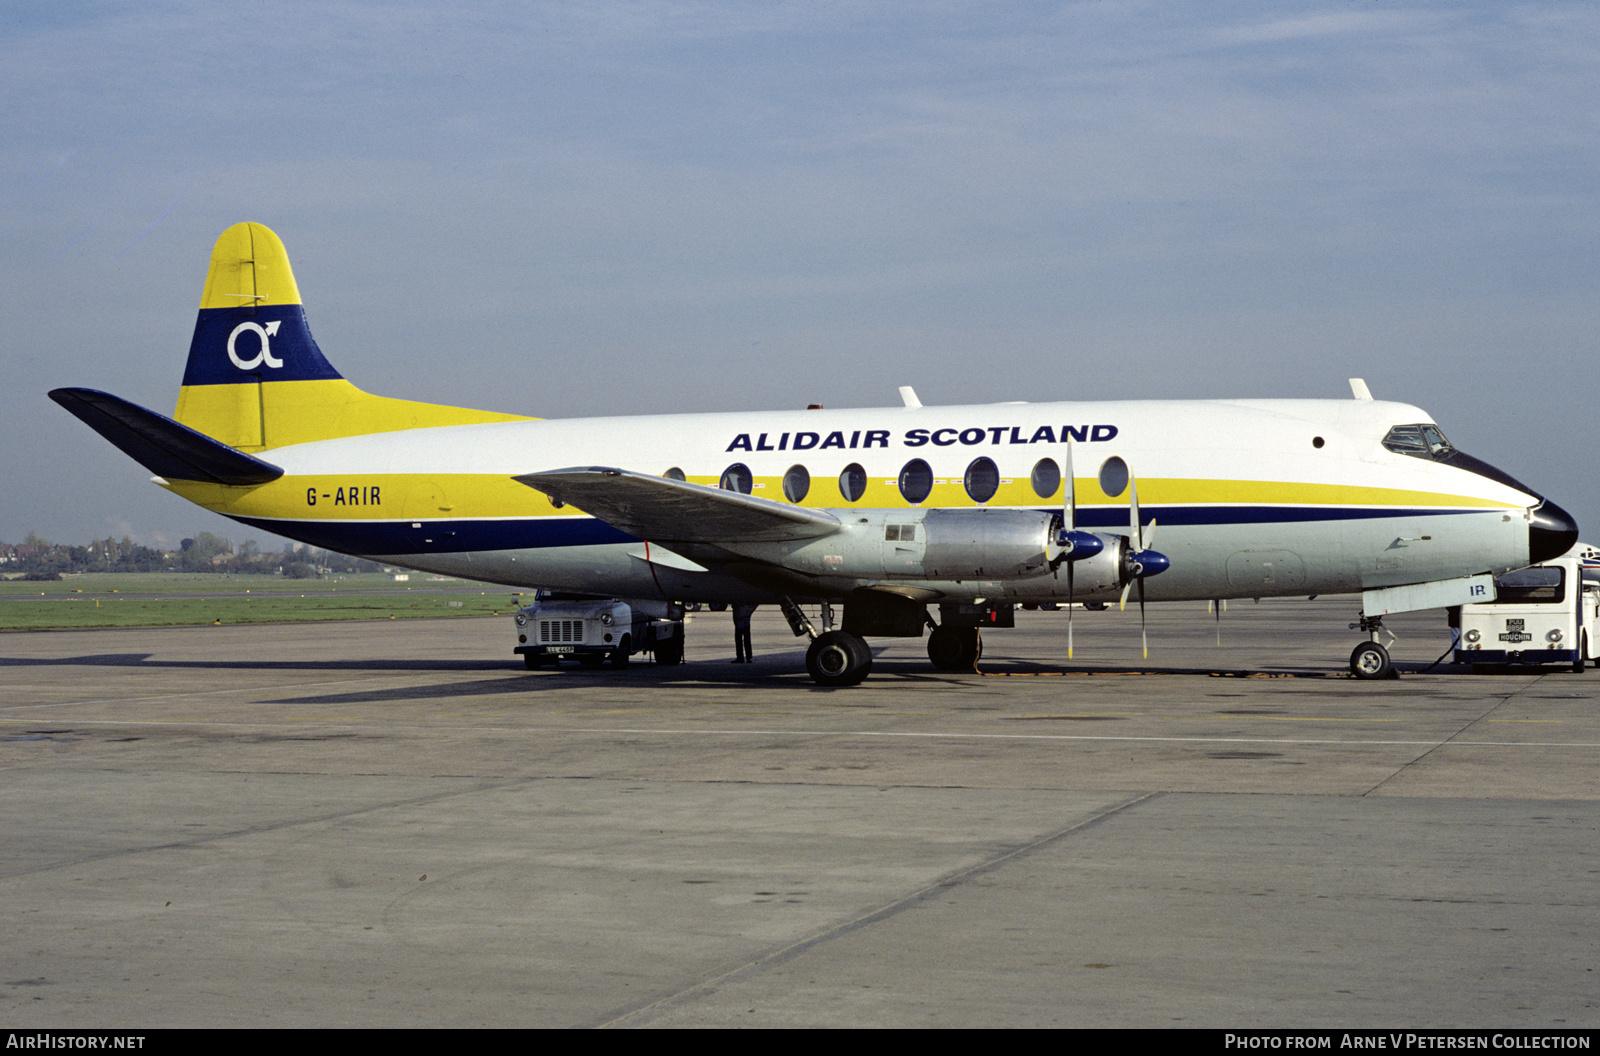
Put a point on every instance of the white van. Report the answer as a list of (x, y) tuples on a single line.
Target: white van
[(1543, 614)]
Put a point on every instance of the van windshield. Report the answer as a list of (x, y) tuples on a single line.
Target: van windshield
[(1539, 585)]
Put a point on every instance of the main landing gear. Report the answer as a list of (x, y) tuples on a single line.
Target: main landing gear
[(1370, 659), (835, 658), (954, 648)]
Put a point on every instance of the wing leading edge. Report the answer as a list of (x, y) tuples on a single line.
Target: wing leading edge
[(676, 511)]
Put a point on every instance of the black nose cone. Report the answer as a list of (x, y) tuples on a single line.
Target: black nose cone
[(1551, 532)]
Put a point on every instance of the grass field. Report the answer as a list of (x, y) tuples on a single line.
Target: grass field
[(160, 599)]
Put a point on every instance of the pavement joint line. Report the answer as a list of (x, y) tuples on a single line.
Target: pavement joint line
[(197, 693), (545, 731), (790, 950)]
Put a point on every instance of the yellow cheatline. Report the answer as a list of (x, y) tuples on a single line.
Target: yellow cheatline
[(298, 412)]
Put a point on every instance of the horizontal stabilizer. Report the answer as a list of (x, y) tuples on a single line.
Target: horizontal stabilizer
[(161, 445), (668, 510)]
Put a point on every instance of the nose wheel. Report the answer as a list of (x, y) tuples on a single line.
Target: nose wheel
[(1370, 660)]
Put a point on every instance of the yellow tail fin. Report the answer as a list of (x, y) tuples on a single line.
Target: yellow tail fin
[(256, 378)]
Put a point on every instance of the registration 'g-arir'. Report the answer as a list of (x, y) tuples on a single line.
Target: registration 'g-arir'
[(893, 512)]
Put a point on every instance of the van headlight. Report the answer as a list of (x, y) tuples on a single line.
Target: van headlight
[(521, 619), (607, 619), (1472, 635), (1553, 637)]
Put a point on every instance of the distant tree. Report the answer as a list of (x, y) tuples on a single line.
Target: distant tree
[(297, 569)]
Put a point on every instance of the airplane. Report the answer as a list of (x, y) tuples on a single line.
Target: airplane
[(885, 511)]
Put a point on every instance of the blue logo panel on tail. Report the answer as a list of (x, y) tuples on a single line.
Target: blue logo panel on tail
[(267, 343)]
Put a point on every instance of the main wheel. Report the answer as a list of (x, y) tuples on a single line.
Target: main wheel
[(954, 648), (838, 659), (1370, 660)]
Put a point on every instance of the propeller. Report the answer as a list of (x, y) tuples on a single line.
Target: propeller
[(1075, 545), (1138, 561)]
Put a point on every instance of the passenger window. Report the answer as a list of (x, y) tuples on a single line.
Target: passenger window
[(982, 479), (1046, 478), (853, 482), (1114, 476), (916, 481), (796, 483), (737, 477)]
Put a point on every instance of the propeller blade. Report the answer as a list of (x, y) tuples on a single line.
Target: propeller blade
[(1135, 538), (1144, 637), (1069, 495), (1069, 610)]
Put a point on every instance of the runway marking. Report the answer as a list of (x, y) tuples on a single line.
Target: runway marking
[(636, 731)]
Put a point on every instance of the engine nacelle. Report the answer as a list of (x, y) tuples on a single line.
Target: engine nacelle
[(924, 544), (987, 544)]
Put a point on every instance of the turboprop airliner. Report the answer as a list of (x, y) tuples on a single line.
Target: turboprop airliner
[(888, 512)]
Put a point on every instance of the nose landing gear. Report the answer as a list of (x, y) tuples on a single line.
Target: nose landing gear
[(1370, 659)]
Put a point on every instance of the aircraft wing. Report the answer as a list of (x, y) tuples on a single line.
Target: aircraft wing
[(676, 511)]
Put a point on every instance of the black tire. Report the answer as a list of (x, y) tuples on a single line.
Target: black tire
[(669, 651), (532, 661), (623, 652), (954, 648), (838, 659), (1583, 648), (1370, 660)]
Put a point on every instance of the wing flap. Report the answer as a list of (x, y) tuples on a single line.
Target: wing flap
[(660, 508), (161, 445)]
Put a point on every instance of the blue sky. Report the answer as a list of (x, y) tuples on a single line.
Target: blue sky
[(573, 209)]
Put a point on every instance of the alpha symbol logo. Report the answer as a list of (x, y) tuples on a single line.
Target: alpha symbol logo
[(264, 333)]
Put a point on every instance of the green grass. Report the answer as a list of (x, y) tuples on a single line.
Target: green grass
[(176, 599)]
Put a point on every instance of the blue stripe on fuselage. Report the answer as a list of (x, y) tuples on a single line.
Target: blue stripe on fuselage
[(456, 536)]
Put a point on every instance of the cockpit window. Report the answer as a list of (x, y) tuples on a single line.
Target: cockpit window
[(1418, 441)]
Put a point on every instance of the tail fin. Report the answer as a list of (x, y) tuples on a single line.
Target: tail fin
[(256, 378)]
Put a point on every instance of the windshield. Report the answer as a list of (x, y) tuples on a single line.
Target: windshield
[(1423, 440)]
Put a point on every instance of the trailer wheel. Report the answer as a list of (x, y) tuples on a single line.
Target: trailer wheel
[(669, 651)]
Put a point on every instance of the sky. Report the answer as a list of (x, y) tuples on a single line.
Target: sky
[(571, 209)]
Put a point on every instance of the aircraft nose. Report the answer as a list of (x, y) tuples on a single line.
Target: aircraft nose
[(1551, 532)]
